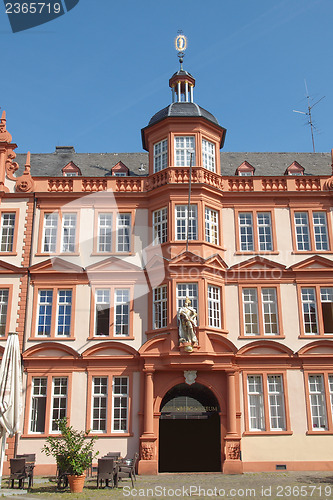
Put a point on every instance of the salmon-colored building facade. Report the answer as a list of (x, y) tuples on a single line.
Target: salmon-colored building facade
[(98, 254)]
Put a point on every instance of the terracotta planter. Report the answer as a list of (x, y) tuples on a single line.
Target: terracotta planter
[(76, 483)]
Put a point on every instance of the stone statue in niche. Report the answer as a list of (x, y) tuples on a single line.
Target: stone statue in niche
[(187, 323)]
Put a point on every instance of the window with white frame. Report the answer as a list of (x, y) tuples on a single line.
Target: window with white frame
[(211, 226), (160, 307), (208, 155), (160, 226), (317, 320), (123, 232), (38, 405), (160, 155), (189, 290), (50, 230), (64, 312), (246, 231), (214, 306), (99, 403), (102, 312), (184, 147), (269, 388), (186, 222), (121, 312), (317, 402), (4, 296), (120, 393), (7, 231), (104, 232), (266, 300), (46, 309), (68, 232), (263, 242), (312, 236), (59, 401)]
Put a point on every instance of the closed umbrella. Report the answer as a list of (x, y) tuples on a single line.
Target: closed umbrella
[(10, 393)]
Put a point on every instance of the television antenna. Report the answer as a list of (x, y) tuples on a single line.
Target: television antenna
[(308, 114)]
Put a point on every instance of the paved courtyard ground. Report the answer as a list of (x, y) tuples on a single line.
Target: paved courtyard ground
[(272, 486)]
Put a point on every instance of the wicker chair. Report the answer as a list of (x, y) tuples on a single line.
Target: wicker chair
[(107, 470), (126, 468), (19, 473)]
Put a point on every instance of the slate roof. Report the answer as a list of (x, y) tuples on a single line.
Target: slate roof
[(100, 164), (180, 109)]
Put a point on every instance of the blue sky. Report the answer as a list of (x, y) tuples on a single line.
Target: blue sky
[(94, 77)]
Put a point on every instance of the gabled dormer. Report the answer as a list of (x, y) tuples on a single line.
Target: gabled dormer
[(245, 169), (119, 170), (71, 170), (294, 169)]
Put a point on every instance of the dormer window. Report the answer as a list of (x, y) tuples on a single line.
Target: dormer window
[(120, 170), (71, 170), (294, 169), (245, 169), (160, 155)]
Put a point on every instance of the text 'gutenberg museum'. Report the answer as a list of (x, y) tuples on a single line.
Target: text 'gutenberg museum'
[(176, 302)]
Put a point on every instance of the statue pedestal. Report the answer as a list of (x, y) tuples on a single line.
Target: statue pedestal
[(187, 347)]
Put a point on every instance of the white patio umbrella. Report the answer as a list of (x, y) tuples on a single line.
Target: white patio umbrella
[(10, 393)]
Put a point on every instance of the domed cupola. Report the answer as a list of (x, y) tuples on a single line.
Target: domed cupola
[(183, 127)]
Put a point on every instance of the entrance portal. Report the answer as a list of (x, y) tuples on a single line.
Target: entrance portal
[(189, 436)]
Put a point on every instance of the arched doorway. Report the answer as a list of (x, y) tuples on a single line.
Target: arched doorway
[(189, 433)]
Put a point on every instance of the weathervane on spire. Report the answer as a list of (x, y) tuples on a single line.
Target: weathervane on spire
[(181, 44)]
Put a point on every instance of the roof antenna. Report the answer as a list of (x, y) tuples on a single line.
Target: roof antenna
[(181, 44), (308, 113)]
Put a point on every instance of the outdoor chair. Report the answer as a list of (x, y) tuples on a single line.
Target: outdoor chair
[(19, 472), (107, 470), (126, 468), (61, 477), (114, 454), (30, 459)]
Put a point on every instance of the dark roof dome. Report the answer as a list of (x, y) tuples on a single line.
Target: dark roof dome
[(181, 109)]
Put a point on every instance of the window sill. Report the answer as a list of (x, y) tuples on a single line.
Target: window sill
[(261, 337), (110, 337), (105, 254), (267, 433), (110, 434), (309, 252), (256, 252), (319, 433), (316, 336), (9, 254), (56, 254), (53, 339)]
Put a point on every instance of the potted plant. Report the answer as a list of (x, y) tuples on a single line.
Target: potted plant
[(73, 453)]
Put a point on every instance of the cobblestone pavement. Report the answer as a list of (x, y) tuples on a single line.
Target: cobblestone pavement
[(272, 486)]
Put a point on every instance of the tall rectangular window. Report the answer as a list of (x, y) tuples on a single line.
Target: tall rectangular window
[(120, 394), (214, 306), (68, 232), (186, 222), (309, 306), (211, 226), (4, 295), (99, 403), (160, 307), (102, 312), (45, 299), (246, 231), (160, 226), (183, 148), (64, 312), (303, 241), (189, 290), (121, 311), (256, 403), (320, 231), (326, 299), (276, 402), (104, 232), (250, 311), (59, 401), (7, 231), (123, 232), (264, 226), (50, 230), (38, 404), (269, 309), (160, 155), (208, 155), (317, 402)]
